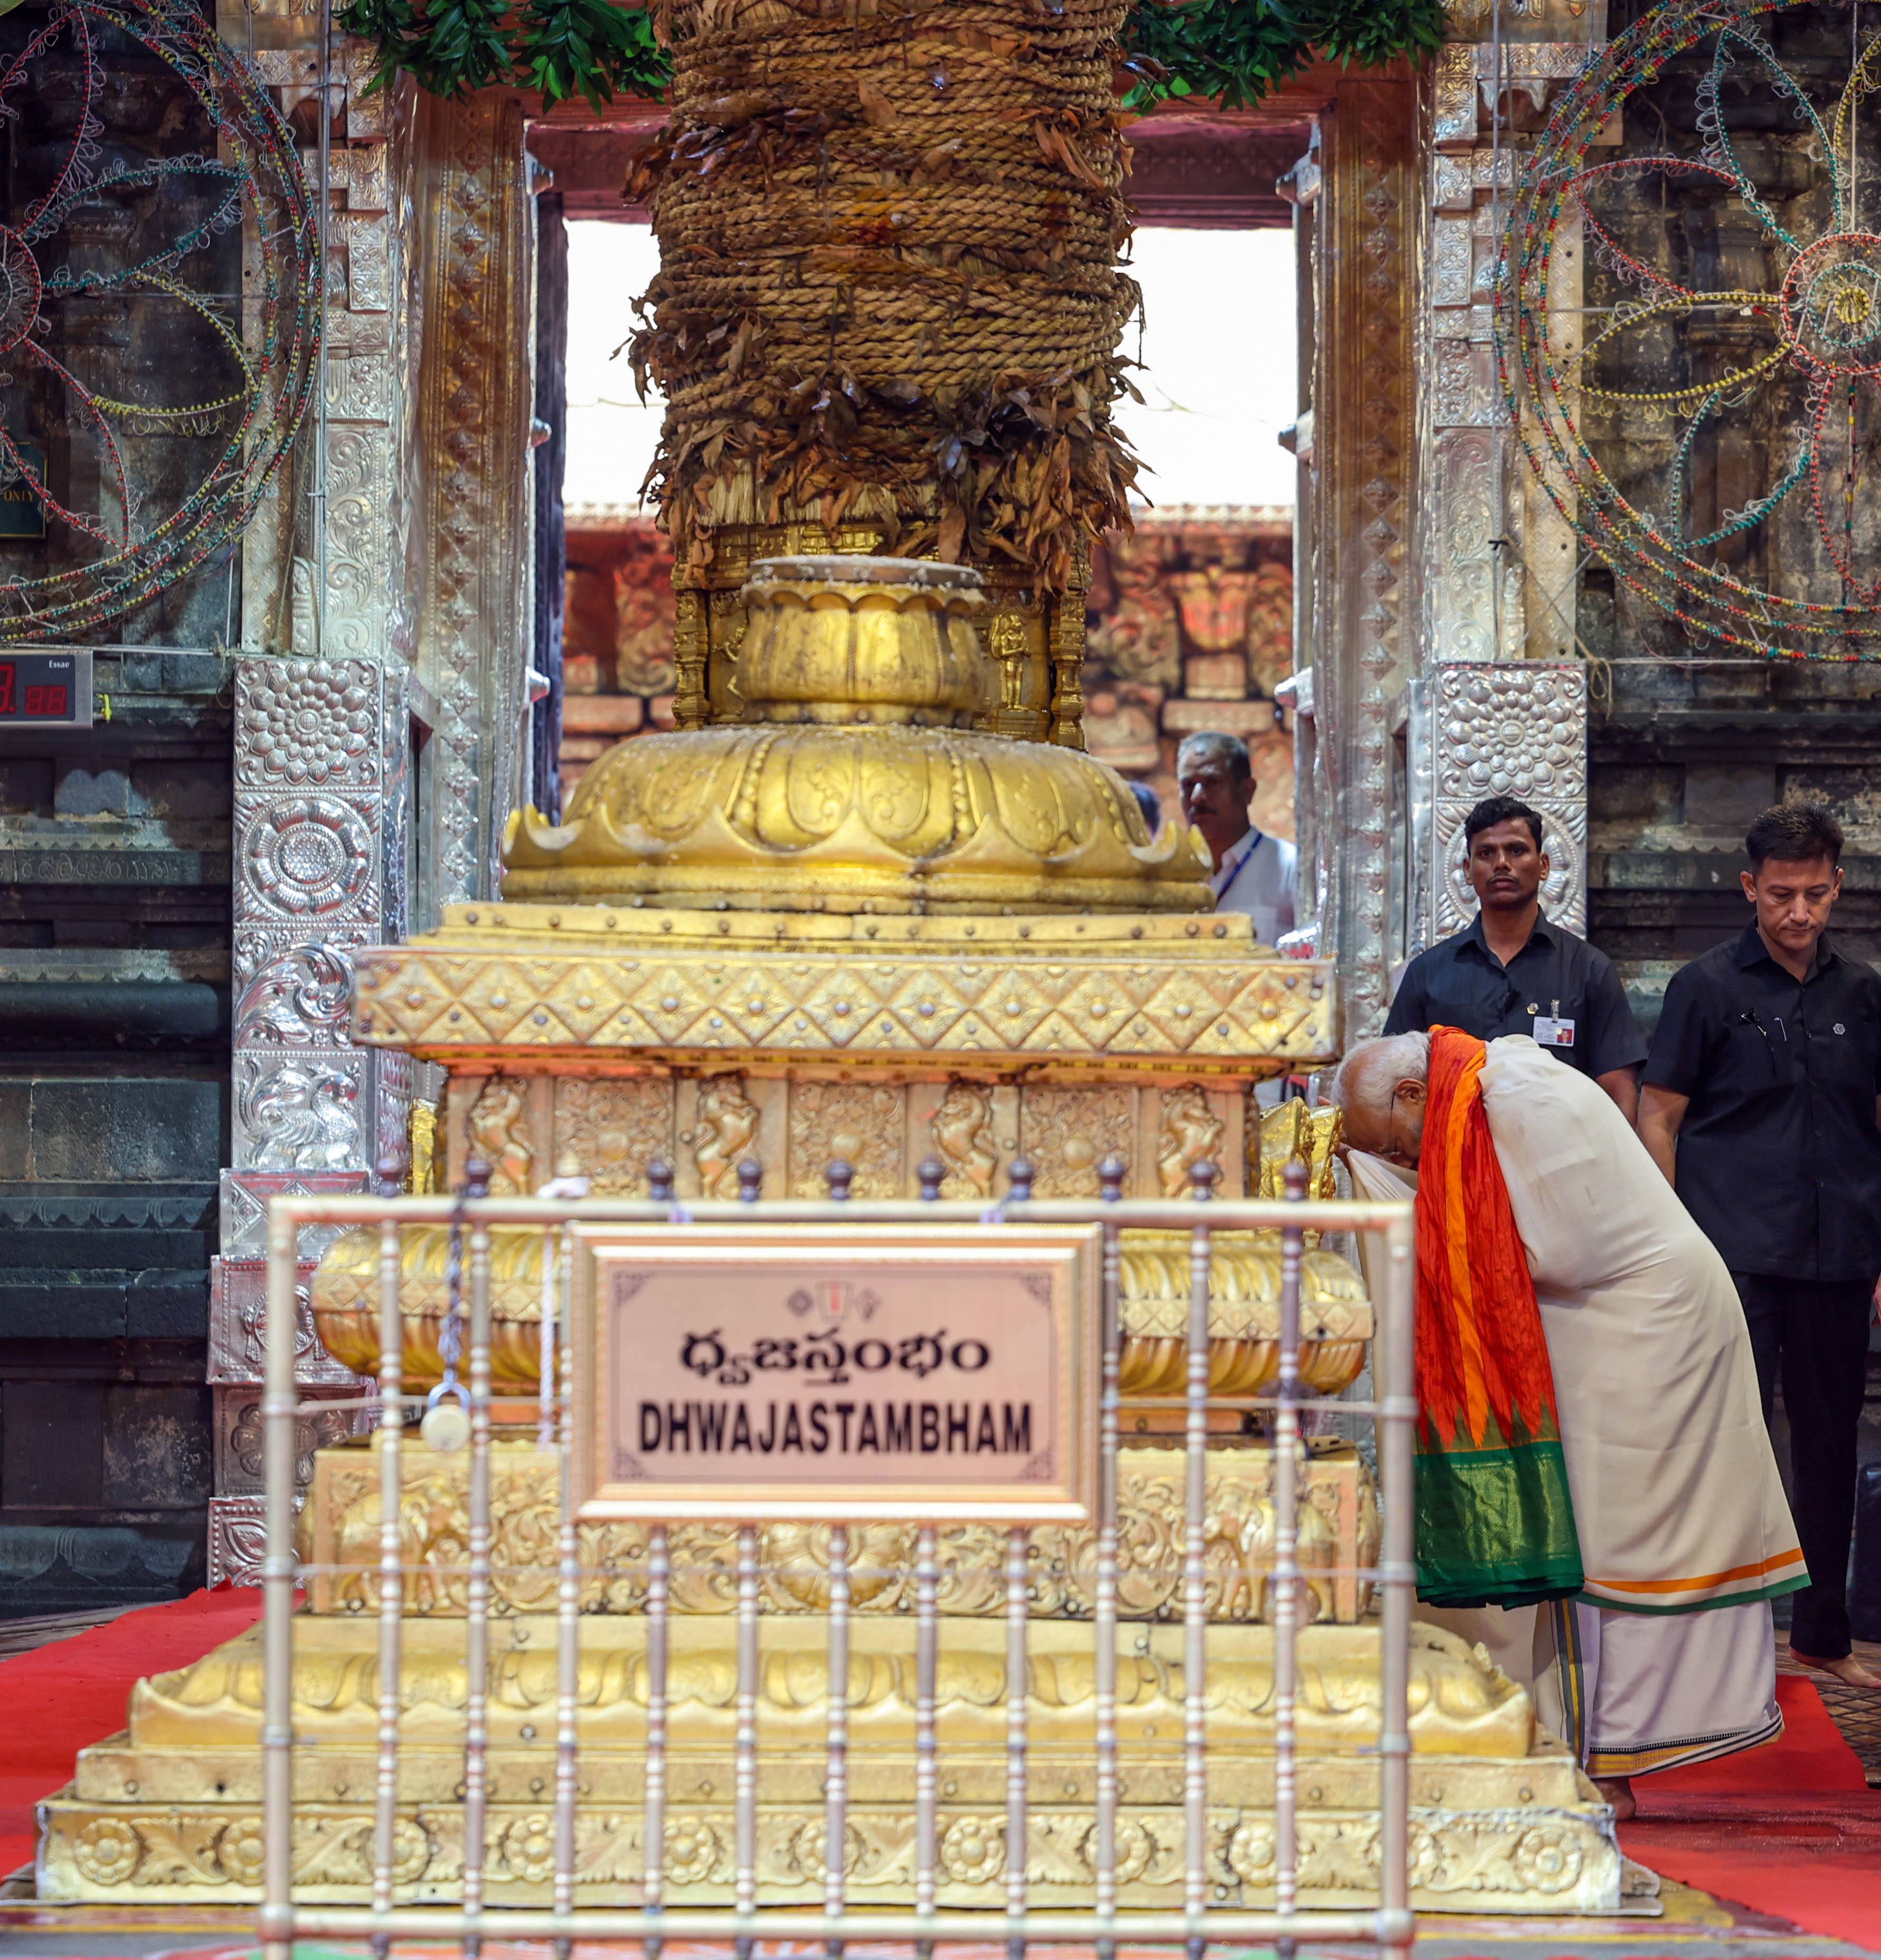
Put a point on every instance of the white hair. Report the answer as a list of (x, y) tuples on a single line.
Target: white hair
[(1372, 1071), (1212, 745)]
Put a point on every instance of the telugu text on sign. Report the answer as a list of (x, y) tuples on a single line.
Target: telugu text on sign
[(879, 1371)]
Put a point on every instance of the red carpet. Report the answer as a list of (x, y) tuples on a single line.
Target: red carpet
[(58, 1698), (1791, 1829)]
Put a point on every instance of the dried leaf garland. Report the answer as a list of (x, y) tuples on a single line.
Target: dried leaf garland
[(905, 231)]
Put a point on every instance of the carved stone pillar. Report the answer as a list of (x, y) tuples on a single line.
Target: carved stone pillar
[(1499, 557), (323, 747), (1496, 557), (473, 394), (428, 397), (1364, 451)]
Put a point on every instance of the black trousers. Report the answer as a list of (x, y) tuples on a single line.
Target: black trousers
[(1813, 1335)]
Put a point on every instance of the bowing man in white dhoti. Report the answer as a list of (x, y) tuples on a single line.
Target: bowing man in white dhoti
[(1666, 1655)]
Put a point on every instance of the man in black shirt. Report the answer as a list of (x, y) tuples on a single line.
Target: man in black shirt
[(1761, 1107), (1514, 972)]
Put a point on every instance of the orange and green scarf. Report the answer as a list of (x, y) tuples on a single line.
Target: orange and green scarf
[(1495, 1522)]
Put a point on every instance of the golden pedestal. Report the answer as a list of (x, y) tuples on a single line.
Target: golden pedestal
[(856, 923), (1503, 1821)]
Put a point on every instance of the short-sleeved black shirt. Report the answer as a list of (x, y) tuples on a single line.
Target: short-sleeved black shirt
[(1779, 1159), (1459, 983)]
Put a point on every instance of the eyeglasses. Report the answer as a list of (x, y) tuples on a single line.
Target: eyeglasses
[(1391, 1135)]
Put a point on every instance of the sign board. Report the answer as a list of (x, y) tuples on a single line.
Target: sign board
[(838, 1372), (45, 687), (22, 515)]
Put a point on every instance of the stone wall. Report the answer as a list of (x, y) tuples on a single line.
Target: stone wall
[(114, 1046), (115, 856)]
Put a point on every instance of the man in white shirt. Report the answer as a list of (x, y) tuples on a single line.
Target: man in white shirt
[(1253, 873)]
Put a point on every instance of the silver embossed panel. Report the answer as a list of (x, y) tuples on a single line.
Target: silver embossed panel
[(238, 1326), (240, 1439), (1514, 728), (245, 1196), (238, 1537), (302, 1109)]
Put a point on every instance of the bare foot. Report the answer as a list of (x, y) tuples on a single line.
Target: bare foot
[(1848, 1669), (1618, 1792)]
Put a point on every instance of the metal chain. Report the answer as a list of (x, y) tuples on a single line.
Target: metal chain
[(447, 1427)]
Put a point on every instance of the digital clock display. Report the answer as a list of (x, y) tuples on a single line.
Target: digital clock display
[(39, 690)]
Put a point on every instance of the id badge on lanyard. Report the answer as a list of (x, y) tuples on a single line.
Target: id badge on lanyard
[(1551, 1030)]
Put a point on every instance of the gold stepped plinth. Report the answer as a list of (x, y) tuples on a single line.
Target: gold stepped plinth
[(1504, 1821)]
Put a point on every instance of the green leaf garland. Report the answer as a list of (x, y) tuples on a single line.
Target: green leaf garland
[(559, 48), (1234, 52)]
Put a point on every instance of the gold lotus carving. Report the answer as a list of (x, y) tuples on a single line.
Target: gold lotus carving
[(1460, 1706), (1499, 1859), (858, 783)]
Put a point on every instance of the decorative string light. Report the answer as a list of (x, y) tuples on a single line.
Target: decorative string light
[(269, 374), (1826, 317)]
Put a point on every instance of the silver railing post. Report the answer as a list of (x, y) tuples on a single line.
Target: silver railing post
[(390, 1443), (927, 1769), (836, 1766), (1202, 1176), (547, 1335), (1285, 1601), (659, 1581), (746, 1795), (476, 1752), (1111, 1173), (277, 1582), (568, 1601), (1018, 1617), (1397, 1424)]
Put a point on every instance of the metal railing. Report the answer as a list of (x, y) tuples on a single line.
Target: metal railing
[(1392, 1408)]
